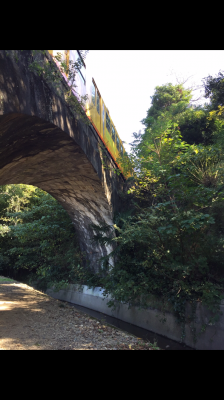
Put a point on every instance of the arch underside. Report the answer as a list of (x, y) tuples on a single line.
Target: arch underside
[(38, 153)]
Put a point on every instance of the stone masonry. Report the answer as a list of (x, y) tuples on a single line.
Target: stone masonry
[(42, 144)]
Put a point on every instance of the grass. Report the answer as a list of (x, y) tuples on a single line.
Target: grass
[(5, 280)]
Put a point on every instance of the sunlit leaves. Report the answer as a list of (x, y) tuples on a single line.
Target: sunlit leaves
[(37, 235), (172, 244)]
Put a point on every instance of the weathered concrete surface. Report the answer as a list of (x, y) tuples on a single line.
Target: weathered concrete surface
[(152, 318), (42, 144)]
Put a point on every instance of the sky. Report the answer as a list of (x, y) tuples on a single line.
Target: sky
[(127, 78)]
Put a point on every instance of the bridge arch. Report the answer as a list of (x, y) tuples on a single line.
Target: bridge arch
[(35, 152), (42, 144)]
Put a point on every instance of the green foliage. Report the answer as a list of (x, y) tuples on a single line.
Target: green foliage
[(37, 236), (168, 98), (174, 101), (171, 245), (214, 90), (44, 67), (169, 242), (217, 116), (195, 127), (5, 280)]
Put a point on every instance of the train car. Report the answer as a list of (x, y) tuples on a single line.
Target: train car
[(96, 108)]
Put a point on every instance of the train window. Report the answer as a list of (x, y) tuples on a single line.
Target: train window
[(98, 102), (94, 95), (82, 77), (82, 70), (108, 122), (118, 143), (103, 117), (113, 133), (76, 57), (122, 151)]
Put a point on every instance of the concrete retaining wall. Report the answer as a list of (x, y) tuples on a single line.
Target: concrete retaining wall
[(151, 319)]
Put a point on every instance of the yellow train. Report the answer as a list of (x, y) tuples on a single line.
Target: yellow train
[(96, 109)]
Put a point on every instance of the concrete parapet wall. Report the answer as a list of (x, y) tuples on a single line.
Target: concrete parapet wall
[(151, 319)]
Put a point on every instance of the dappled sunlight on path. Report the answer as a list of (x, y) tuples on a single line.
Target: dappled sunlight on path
[(31, 320)]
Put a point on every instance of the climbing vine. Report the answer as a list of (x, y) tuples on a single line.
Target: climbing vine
[(62, 75)]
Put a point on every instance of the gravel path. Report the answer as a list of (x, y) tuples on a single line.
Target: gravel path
[(31, 320)]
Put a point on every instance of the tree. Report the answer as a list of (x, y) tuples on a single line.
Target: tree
[(168, 98), (171, 245), (195, 127), (174, 101), (37, 236), (214, 90)]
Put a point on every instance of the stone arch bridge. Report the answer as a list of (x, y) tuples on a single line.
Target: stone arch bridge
[(42, 144)]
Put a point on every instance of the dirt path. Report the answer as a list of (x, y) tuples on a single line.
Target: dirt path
[(31, 320)]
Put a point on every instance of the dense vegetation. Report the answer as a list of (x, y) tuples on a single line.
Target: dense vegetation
[(37, 238), (170, 240)]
